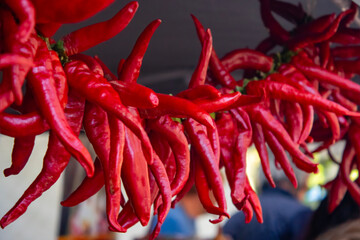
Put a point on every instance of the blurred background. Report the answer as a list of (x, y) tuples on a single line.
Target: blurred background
[(168, 64)]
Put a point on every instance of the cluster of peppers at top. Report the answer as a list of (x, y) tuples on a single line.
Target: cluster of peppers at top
[(142, 138)]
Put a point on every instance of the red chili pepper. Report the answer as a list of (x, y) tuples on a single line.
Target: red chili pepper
[(346, 36), (345, 167), (25, 14), (17, 73), (254, 201), (289, 93), (242, 143), (200, 142), (173, 132), (225, 102), (22, 125), (55, 160), (289, 11), (200, 91), (312, 71), (294, 120), (67, 12), (97, 90), (199, 75), (227, 133), (324, 53), (308, 38), (88, 187), (92, 64), (318, 25), (342, 100), (277, 32), (48, 29), (353, 11), (120, 67), (259, 141), (20, 155), (188, 185), (107, 73), (9, 59), (96, 125), (336, 193), (266, 45), (134, 174), (216, 66), (177, 107), (113, 188), (129, 94), (280, 156), (346, 51), (131, 68), (159, 173), (261, 115), (248, 212), (247, 59), (90, 36), (41, 81), (59, 75), (308, 113), (203, 190)]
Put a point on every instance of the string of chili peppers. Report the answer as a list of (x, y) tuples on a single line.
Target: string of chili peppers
[(159, 145)]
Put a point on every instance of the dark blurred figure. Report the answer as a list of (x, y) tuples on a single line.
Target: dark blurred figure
[(180, 222), (343, 223), (285, 217)]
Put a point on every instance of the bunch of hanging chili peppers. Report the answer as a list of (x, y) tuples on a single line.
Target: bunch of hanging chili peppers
[(159, 145)]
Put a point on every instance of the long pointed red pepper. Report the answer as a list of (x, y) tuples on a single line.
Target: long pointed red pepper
[(221, 74), (289, 93), (20, 155), (134, 174), (199, 75), (200, 141), (259, 141), (247, 59), (41, 81), (90, 36), (280, 157), (131, 68), (312, 71)]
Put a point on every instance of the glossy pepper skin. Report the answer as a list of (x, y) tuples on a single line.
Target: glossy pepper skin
[(131, 67), (90, 36), (41, 81), (97, 90)]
